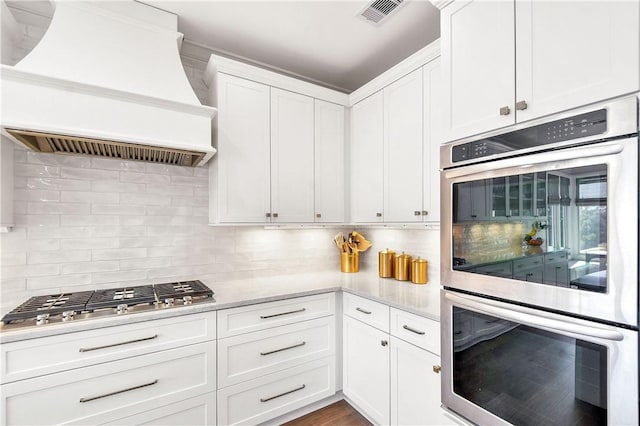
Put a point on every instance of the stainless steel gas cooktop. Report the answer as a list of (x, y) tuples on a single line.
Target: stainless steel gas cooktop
[(65, 307)]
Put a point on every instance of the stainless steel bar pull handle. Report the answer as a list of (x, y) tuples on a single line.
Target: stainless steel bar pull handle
[(520, 105), (283, 393), (282, 313), (155, 336), (505, 110), (363, 311), (413, 330), (120, 391), (283, 349)]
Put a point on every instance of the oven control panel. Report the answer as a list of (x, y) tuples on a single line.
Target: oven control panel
[(576, 127)]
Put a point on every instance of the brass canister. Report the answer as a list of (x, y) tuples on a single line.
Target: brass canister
[(350, 262), (419, 271), (385, 263), (402, 267)]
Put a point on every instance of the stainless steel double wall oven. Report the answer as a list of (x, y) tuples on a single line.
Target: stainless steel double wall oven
[(540, 270)]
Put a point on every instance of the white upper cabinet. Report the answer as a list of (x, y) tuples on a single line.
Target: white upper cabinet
[(511, 61), (240, 181), (329, 162), (403, 155), (478, 57), (366, 159), (571, 54), (292, 151), (432, 138)]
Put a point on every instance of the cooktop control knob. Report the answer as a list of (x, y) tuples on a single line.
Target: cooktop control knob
[(122, 308), (169, 301), (187, 300), (42, 319), (68, 315)]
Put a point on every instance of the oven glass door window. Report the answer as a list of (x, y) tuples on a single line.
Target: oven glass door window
[(546, 227), (528, 376)]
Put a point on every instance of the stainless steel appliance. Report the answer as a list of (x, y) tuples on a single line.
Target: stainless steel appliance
[(539, 242), (65, 307)]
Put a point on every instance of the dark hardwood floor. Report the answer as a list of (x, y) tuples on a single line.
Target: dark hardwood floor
[(339, 413)]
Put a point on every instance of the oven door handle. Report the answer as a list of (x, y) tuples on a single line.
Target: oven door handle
[(535, 320), (540, 158)]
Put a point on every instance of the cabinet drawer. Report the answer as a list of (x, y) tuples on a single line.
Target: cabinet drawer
[(415, 329), (555, 258), (370, 312), (261, 316), (527, 263), (36, 357), (252, 355), (105, 392), (200, 410), (503, 269), (270, 396)]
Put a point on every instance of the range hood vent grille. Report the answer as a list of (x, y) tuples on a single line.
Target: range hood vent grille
[(377, 10), (59, 144)]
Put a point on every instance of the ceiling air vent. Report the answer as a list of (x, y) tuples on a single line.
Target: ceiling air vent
[(377, 10)]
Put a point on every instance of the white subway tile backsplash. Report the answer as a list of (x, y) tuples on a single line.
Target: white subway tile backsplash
[(35, 170), (89, 243), (58, 256), (53, 282), (119, 253), (113, 164), (19, 207), (8, 258), (117, 209), (58, 160), (89, 174), (170, 210), (86, 267), (145, 242), (114, 186), (21, 271), (20, 182), (89, 197), (201, 171), (118, 278), (36, 195), (201, 192), (164, 169), (88, 220), (146, 199), (34, 220), (57, 208), (57, 184), (191, 181), (19, 154), (171, 190), (189, 201), (150, 178), (146, 263)]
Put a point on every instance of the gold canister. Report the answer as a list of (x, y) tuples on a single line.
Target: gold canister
[(350, 262), (385, 263), (419, 271), (402, 267)]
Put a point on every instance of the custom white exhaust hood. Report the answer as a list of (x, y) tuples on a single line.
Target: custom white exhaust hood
[(106, 79)]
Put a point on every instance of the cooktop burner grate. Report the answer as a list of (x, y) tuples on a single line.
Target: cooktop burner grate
[(53, 304), (113, 297), (183, 288)]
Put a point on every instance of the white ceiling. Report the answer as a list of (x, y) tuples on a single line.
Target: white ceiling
[(323, 41)]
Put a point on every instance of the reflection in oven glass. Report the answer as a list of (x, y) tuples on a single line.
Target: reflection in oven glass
[(528, 376), (543, 227)]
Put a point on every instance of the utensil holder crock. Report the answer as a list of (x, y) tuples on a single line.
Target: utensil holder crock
[(349, 262)]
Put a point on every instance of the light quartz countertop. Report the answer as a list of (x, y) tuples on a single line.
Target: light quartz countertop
[(420, 299)]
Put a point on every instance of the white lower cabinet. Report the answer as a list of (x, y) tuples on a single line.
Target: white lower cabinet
[(366, 368), (200, 410), (275, 357), (103, 392), (273, 395)]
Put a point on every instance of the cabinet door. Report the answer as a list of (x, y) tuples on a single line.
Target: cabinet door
[(366, 368), (292, 149), (242, 161), (571, 55), (329, 162), (478, 56), (366, 160), (403, 149), (432, 138), (415, 386)]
